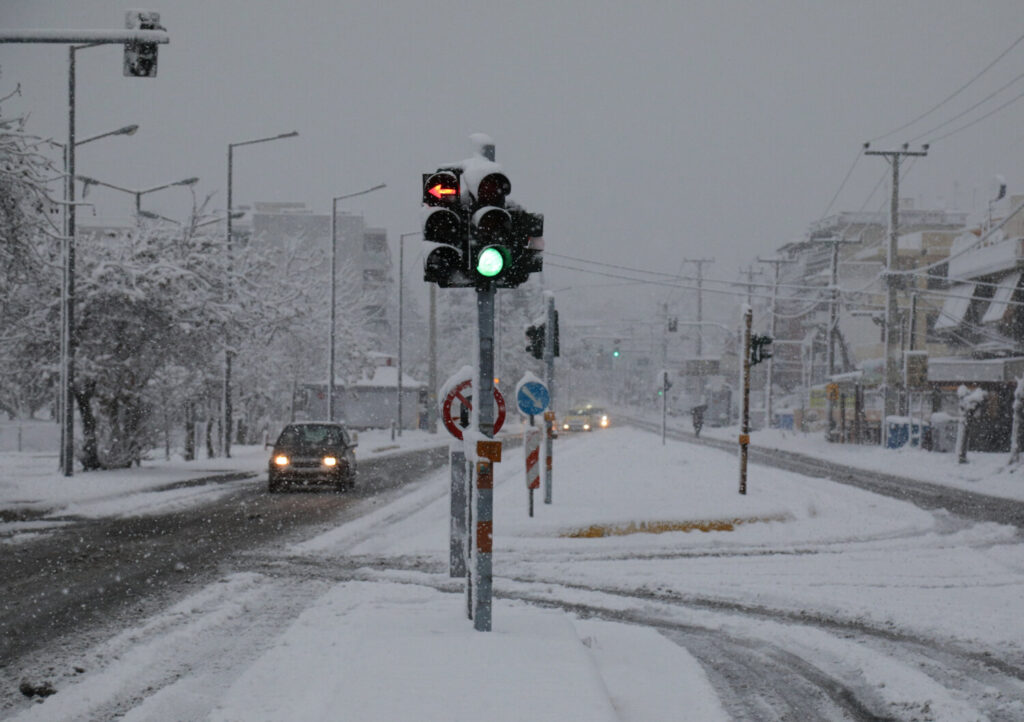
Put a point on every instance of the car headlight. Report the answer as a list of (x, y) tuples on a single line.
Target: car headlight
[(281, 460), (565, 427), (604, 421), (586, 427), (330, 461)]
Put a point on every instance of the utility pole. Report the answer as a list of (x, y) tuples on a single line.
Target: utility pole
[(776, 262), (749, 272), (700, 316), (892, 282), (833, 323)]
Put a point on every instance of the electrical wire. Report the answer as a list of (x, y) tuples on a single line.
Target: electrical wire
[(953, 94), (978, 120), (960, 115)]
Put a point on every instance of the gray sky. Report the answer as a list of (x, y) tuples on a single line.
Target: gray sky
[(646, 131)]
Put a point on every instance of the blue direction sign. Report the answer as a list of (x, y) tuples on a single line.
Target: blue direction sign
[(533, 398)]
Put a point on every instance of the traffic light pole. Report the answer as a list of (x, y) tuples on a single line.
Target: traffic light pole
[(748, 318), (549, 381), (484, 497)]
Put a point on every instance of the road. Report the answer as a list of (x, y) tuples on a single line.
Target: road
[(76, 580)]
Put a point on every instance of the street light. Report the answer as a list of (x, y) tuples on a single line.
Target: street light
[(65, 392), (227, 352), (126, 130), (138, 193), (334, 283), (401, 284)]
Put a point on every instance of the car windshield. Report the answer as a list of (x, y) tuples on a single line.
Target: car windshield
[(310, 435)]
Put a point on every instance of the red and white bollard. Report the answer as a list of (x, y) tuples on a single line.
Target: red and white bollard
[(531, 444)]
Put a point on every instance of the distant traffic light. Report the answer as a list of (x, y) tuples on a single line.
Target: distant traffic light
[(140, 58), (758, 348), (615, 349), (535, 340)]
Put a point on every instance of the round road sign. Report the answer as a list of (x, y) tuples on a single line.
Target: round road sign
[(533, 398), (460, 392)]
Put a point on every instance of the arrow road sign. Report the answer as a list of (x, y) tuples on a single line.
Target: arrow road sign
[(533, 398)]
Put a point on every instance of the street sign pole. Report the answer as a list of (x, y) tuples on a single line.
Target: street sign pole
[(549, 381)]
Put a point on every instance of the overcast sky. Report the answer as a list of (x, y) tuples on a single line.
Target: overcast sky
[(646, 132)]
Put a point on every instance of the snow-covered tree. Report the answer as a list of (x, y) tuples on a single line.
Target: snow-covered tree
[(29, 268)]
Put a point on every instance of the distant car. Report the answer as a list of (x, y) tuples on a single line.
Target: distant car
[(586, 418), (313, 453)]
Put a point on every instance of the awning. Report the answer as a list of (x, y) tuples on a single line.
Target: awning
[(955, 307), (1001, 298)]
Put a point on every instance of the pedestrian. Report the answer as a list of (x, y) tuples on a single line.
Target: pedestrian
[(697, 413)]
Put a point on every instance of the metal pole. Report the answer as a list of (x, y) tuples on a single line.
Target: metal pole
[(401, 266), (549, 381), (334, 309), (664, 403), (227, 350), (748, 317), (432, 364), (68, 454), (483, 516)]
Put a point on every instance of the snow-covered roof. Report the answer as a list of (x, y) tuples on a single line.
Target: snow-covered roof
[(385, 377)]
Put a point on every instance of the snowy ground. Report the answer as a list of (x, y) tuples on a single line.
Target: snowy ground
[(363, 622)]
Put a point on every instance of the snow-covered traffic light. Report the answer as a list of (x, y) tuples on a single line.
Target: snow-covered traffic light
[(444, 223), (484, 239), (535, 340), (140, 58)]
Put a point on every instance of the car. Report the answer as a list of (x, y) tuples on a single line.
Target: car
[(312, 453), (586, 418)]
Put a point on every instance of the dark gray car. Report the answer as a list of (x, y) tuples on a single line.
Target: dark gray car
[(315, 452)]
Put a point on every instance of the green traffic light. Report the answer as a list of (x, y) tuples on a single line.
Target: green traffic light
[(615, 353), (490, 262)]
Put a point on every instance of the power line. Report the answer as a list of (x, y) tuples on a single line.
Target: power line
[(953, 94), (1008, 103), (958, 116)]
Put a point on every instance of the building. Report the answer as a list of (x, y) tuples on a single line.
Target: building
[(362, 255), (861, 242)]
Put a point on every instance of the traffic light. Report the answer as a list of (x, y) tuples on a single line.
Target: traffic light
[(140, 58), (535, 340), (615, 349), (481, 240), (444, 222), (525, 247), (758, 348), (490, 226)]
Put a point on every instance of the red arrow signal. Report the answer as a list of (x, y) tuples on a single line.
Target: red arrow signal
[(439, 191)]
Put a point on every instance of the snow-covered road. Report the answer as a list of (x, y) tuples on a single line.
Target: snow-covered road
[(819, 601)]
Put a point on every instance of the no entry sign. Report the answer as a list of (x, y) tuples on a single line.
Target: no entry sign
[(462, 393)]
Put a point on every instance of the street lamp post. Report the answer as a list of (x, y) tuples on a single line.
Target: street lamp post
[(228, 354), (62, 396), (334, 291), (138, 193), (401, 285)]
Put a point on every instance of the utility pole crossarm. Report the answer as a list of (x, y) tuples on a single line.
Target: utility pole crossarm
[(93, 37)]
